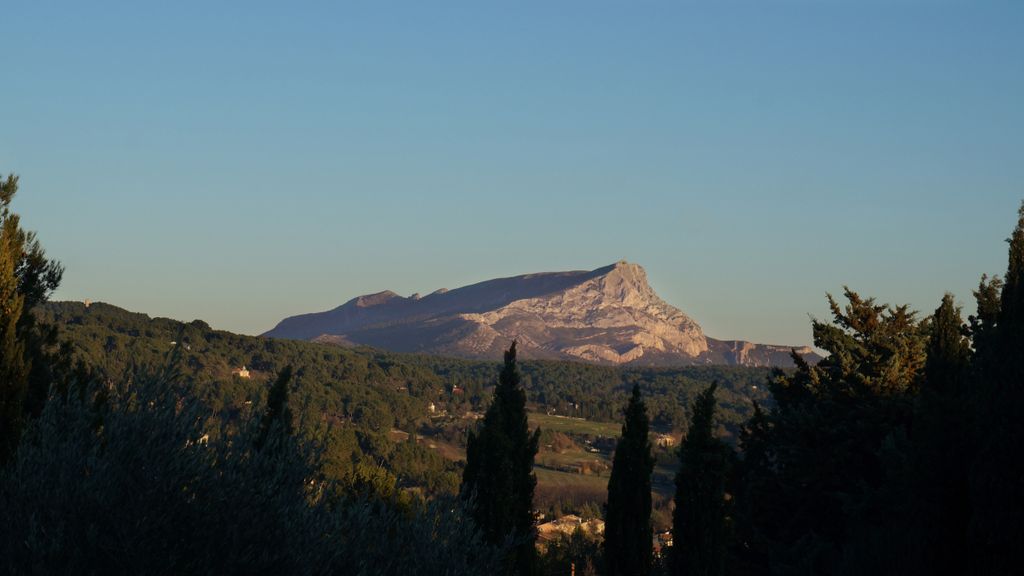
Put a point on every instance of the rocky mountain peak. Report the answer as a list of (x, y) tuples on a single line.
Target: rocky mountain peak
[(375, 299), (626, 281), (609, 315)]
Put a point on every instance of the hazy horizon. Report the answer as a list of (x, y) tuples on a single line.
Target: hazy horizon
[(240, 164)]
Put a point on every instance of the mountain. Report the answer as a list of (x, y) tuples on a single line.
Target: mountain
[(610, 315)]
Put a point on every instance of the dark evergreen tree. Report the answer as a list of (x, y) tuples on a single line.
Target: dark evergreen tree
[(823, 492), (28, 354), (627, 533), (13, 368), (998, 474), (498, 478), (754, 517), (939, 492), (699, 521), (278, 417)]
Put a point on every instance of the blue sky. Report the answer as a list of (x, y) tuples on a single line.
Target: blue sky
[(244, 162)]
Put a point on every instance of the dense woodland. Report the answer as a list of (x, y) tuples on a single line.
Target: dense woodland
[(113, 340), (349, 399), (130, 444)]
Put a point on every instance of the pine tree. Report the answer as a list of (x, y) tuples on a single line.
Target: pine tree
[(627, 535), (13, 368), (28, 358), (699, 524), (498, 478), (278, 417), (998, 473)]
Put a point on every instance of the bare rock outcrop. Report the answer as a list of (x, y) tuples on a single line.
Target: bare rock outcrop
[(610, 315)]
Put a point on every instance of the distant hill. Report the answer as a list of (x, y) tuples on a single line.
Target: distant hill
[(610, 315), (360, 382)]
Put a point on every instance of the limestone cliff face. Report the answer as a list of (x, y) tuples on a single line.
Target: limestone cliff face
[(614, 317), (609, 316)]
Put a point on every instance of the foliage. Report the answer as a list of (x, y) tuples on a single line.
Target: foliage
[(145, 492), (345, 400), (134, 484), (891, 455), (998, 505), (699, 524), (278, 417), (498, 479), (627, 540), (939, 497), (576, 553), (29, 359), (349, 398), (822, 466), (13, 367)]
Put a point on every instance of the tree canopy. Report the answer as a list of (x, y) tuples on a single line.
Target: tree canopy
[(498, 478), (700, 531), (29, 362), (627, 534)]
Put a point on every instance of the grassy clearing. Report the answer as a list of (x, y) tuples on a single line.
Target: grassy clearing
[(574, 426), (570, 458), (449, 451), (554, 486)]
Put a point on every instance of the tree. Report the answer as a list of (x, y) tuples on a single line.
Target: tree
[(755, 517), (939, 492), (627, 535), (278, 417), (28, 357), (13, 367), (699, 528), (577, 553), (998, 505), (498, 478), (146, 494), (823, 490)]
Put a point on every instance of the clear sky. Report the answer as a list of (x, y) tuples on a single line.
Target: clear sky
[(244, 162)]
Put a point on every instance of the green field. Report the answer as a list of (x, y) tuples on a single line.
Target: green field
[(569, 458), (574, 425)]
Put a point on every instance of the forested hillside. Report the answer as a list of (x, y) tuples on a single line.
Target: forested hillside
[(352, 399)]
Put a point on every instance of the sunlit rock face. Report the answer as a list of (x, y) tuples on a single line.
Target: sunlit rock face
[(610, 315)]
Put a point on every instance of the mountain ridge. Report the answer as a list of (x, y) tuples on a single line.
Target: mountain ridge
[(609, 315)]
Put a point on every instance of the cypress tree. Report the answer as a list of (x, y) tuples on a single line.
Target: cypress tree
[(699, 530), (753, 514), (940, 498), (498, 478), (998, 473), (278, 416), (627, 533)]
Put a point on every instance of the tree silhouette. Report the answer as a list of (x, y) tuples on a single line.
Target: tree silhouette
[(498, 478), (699, 530), (627, 534)]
